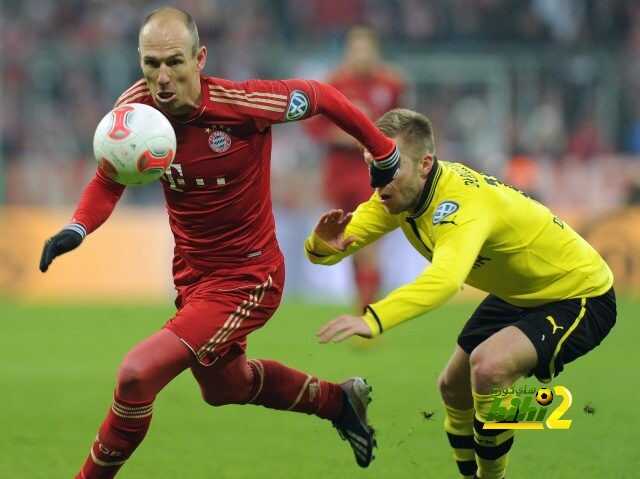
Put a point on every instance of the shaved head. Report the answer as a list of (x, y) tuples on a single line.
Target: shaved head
[(172, 60), (165, 15)]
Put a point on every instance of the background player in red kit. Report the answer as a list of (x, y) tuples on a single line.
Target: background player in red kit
[(374, 88), (228, 269)]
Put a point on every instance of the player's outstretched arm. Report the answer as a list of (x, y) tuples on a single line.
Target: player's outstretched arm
[(298, 99), (67, 239), (96, 204), (342, 112)]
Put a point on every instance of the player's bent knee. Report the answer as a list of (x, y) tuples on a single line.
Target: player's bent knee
[(132, 376), (487, 369)]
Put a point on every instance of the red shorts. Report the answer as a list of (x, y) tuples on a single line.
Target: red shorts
[(216, 313)]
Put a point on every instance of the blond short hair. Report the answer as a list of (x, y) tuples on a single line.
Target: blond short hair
[(414, 128)]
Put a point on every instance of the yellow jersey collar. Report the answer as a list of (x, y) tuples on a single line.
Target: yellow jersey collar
[(429, 189)]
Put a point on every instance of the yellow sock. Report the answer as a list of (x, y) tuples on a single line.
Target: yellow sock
[(458, 424), (492, 446)]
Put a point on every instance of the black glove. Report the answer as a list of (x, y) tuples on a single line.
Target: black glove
[(61, 243)]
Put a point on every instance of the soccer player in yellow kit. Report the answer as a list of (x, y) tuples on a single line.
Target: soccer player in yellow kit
[(550, 293)]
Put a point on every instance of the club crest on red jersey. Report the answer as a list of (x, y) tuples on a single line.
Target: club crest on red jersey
[(219, 141)]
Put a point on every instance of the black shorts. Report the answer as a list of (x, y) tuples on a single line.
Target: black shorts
[(560, 331)]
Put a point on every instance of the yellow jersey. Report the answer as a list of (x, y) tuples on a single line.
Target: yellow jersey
[(474, 230)]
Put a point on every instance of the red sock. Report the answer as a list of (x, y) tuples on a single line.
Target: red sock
[(278, 387), (368, 283), (123, 429)]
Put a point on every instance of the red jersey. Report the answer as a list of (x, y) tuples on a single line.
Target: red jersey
[(217, 190)]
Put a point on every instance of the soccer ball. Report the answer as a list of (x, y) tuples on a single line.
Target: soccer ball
[(134, 144), (544, 396)]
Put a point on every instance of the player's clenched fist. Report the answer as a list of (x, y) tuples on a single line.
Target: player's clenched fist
[(60, 243), (330, 229), (344, 327)]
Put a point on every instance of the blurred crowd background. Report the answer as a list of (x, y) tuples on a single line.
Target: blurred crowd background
[(541, 93)]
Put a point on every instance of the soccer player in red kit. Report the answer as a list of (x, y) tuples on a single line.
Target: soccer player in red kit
[(227, 267), (374, 88)]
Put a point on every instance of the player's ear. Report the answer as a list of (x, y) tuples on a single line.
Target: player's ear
[(201, 58), (425, 164)]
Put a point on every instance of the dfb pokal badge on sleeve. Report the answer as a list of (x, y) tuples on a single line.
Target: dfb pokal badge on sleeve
[(298, 106), (219, 141)]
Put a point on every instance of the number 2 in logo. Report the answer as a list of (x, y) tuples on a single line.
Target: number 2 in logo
[(554, 421), (119, 129)]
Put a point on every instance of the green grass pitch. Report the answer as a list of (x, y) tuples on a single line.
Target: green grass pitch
[(57, 366)]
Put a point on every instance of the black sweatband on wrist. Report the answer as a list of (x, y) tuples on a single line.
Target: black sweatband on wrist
[(78, 228)]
